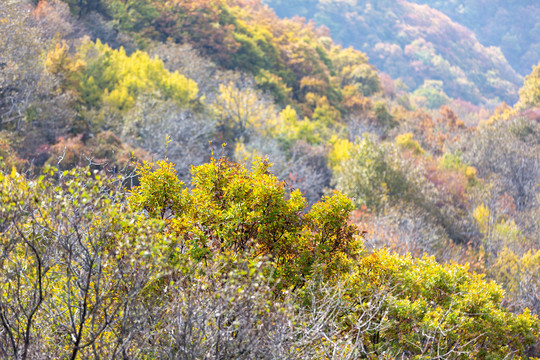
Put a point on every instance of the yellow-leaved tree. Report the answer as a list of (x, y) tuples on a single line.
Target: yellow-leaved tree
[(115, 78)]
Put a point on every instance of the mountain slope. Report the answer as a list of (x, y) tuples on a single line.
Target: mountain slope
[(415, 43), (514, 26), (160, 269)]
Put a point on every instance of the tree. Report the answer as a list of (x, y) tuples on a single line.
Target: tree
[(509, 151), (22, 75), (432, 310), (169, 130), (231, 209), (241, 112), (114, 78), (81, 8), (370, 176), (529, 94), (67, 286)]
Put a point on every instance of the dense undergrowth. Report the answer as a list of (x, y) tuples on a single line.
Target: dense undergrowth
[(234, 267)]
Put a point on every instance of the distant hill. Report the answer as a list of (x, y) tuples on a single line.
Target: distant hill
[(414, 43), (514, 26)]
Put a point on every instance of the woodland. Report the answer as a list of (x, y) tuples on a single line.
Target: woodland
[(247, 179), (476, 50)]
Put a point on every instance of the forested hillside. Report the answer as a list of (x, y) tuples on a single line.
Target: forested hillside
[(203, 179), (512, 26), (427, 50)]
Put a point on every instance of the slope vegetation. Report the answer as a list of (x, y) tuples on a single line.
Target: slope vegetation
[(415, 43)]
